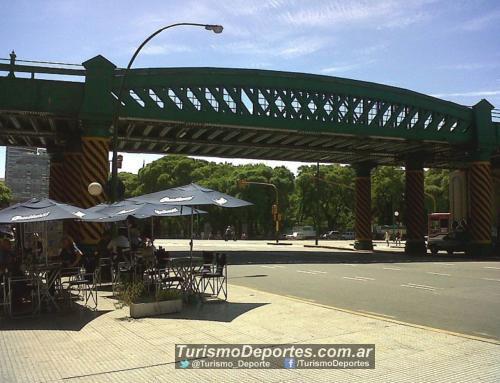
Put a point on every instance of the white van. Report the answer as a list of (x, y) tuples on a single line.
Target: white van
[(304, 232)]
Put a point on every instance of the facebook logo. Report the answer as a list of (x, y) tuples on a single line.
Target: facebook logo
[(289, 363)]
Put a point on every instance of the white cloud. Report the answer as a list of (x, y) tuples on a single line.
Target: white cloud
[(470, 66), (346, 67), (340, 12), (481, 22), (162, 49), (477, 93), (285, 48)]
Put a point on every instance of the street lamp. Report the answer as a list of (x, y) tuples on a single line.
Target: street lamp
[(114, 162)]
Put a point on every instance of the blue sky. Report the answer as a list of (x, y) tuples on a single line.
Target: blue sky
[(450, 49)]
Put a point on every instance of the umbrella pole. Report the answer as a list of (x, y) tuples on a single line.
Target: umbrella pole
[(191, 255)]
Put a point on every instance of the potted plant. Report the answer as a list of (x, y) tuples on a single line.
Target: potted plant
[(144, 303)]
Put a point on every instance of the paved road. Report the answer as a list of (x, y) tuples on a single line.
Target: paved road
[(450, 293), (460, 297)]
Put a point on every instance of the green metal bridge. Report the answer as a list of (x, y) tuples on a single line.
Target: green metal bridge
[(241, 113)]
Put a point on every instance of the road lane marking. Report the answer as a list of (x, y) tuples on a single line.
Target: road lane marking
[(444, 264), (444, 275), (378, 314), (392, 268), (363, 279), (349, 264), (416, 286), (491, 279), (491, 267), (314, 272), (299, 298)]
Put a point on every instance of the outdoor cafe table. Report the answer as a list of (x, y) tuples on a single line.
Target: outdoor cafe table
[(186, 268), (49, 276)]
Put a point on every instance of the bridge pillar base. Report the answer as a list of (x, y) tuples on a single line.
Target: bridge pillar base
[(363, 207), (415, 210), (481, 208), (365, 244)]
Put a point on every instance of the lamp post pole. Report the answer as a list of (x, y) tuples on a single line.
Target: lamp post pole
[(114, 161), (396, 217)]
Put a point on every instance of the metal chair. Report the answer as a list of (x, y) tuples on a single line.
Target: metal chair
[(86, 284), (4, 298), (18, 286), (214, 282)]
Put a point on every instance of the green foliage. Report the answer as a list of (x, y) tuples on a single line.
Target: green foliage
[(130, 292), (436, 188), (5, 195), (303, 200), (388, 186), (131, 183), (136, 292), (327, 198)]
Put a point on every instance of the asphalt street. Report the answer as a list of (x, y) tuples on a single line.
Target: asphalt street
[(461, 297), (450, 293)]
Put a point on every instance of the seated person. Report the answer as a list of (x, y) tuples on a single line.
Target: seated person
[(6, 255), (118, 244), (135, 235), (70, 254)]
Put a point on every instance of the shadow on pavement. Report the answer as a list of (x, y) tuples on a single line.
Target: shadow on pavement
[(63, 321), (305, 257), (217, 311)]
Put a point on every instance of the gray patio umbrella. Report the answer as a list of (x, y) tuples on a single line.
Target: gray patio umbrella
[(119, 211), (42, 210), (192, 195)]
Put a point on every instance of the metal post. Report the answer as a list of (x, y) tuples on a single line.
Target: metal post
[(317, 204), (114, 162)]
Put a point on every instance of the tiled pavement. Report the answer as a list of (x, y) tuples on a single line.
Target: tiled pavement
[(107, 346)]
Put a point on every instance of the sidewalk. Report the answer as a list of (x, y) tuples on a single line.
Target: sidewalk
[(107, 346), (378, 246)]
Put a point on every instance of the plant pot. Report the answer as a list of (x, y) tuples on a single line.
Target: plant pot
[(141, 310)]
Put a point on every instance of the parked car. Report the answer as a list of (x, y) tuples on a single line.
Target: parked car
[(348, 235), (332, 234), (449, 243)]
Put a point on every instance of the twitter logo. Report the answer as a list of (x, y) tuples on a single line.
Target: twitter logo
[(184, 363)]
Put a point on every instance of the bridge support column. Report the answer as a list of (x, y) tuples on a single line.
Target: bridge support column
[(72, 186), (415, 208), (363, 208), (481, 206), (56, 177), (95, 168)]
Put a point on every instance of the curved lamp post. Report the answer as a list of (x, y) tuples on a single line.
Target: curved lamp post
[(114, 162)]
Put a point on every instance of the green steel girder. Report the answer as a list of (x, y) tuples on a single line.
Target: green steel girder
[(58, 98), (292, 101), (244, 113)]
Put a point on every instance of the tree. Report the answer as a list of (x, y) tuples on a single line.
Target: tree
[(388, 185), (5, 195), (332, 192), (131, 183), (436, 187)]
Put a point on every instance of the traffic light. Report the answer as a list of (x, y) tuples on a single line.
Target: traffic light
[(242, 183), (119, 161)]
